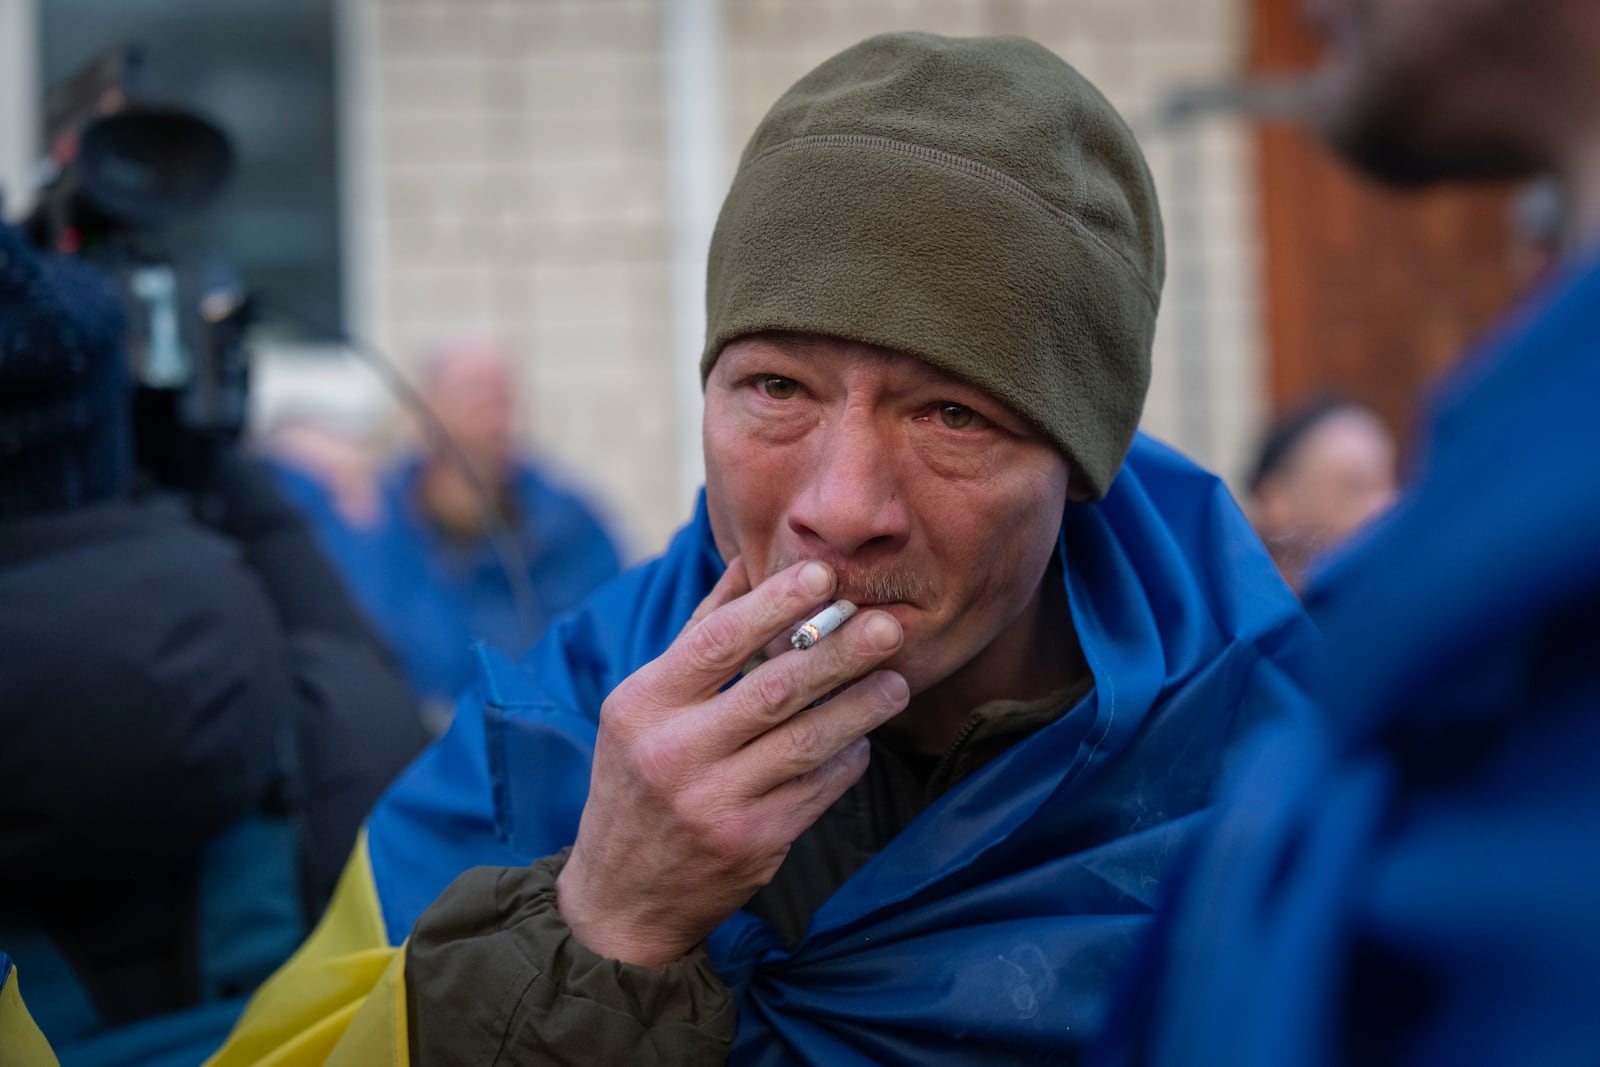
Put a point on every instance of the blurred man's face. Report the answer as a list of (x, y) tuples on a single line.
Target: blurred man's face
[(473, 394), (1417, 90), (931, 500), (1337, 478)]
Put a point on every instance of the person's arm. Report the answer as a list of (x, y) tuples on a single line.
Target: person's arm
[(356, 723), (494, 975)]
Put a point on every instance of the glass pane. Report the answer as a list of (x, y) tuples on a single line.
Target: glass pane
[(263, 70)]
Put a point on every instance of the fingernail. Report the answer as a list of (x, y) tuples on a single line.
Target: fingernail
[(816, 579), (883, 631), (894, 688)]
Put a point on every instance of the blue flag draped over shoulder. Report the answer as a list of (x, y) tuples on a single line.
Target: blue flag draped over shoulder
[(1414, 876), (995, 925)]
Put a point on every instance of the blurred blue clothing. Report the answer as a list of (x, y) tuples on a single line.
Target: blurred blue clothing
[(1413, 876), (351, 549), (434, 598)]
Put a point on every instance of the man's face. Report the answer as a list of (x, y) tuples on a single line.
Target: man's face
[(1418, 90), (930, 499)]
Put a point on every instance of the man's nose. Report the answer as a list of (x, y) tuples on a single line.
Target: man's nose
[(854, 498)]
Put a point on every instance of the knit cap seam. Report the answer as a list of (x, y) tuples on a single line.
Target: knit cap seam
[(976, 169)]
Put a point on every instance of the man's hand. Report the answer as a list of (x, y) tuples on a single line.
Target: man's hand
[(696, 795)]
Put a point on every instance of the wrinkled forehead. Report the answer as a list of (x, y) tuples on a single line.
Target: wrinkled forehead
[(907, 366)]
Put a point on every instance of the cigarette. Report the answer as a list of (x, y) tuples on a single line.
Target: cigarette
[(822, 624)]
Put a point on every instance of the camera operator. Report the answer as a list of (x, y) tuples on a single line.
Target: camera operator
[(195, 719)]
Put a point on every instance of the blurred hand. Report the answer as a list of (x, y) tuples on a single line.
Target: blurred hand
[(695, 795)]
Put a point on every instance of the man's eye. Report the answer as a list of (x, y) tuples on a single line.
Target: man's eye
[(779, 388), (956, 416)]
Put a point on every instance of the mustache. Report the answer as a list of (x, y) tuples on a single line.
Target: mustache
[(871, 584)]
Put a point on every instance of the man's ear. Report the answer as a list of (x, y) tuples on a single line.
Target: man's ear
[(1077, 489)]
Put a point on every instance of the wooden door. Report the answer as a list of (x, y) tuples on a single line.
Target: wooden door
[(1370, 292)]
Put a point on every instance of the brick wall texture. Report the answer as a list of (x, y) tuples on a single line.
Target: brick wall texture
[(515, 188)]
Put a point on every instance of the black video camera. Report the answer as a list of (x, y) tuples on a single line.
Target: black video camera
[(116, 174)]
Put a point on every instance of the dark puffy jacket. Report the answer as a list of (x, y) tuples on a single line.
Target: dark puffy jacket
[(195, 723)]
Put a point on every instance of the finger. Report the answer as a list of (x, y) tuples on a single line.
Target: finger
[(785, 639), (734, 583), (712, 651), (795, 805), (781, 687), (808, 740)]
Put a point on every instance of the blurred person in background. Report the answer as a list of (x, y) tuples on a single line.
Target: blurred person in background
[(439, 577), (670, 834), (1412, 876), (1324, 471), (337, 458), (1538, 234), (328, 471), (194, 719)]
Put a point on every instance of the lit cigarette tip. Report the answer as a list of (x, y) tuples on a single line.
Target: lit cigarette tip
[(822, 624)]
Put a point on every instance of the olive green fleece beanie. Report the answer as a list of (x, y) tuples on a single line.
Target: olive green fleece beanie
[(972, 202)]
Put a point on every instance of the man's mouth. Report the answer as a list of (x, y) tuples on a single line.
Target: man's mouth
[(877, 585)]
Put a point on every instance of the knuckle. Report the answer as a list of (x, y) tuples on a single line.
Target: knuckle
[(656, 763), (701, 809), (805, 740), (614, 712), (687, 811), (631, 703), (713, 642), (725, 839), (725, 843), (771, 691)]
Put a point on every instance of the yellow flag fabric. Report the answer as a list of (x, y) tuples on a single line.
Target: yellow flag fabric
[(340, 1000), (21, 1043)]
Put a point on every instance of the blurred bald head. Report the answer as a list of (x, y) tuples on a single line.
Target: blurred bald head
[(471, 387)]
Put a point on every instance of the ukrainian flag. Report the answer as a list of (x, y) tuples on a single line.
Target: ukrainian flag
[(340, 1000), (21, 1043)]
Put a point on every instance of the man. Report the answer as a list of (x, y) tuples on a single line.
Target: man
[(1412, 877), (938, 833), (474, 543), (1325, 470), (194, 719)]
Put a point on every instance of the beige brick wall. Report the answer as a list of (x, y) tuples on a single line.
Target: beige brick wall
[(515, 186), (19, 104)]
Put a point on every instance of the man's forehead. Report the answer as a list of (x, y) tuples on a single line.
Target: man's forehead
[(812, 345)]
